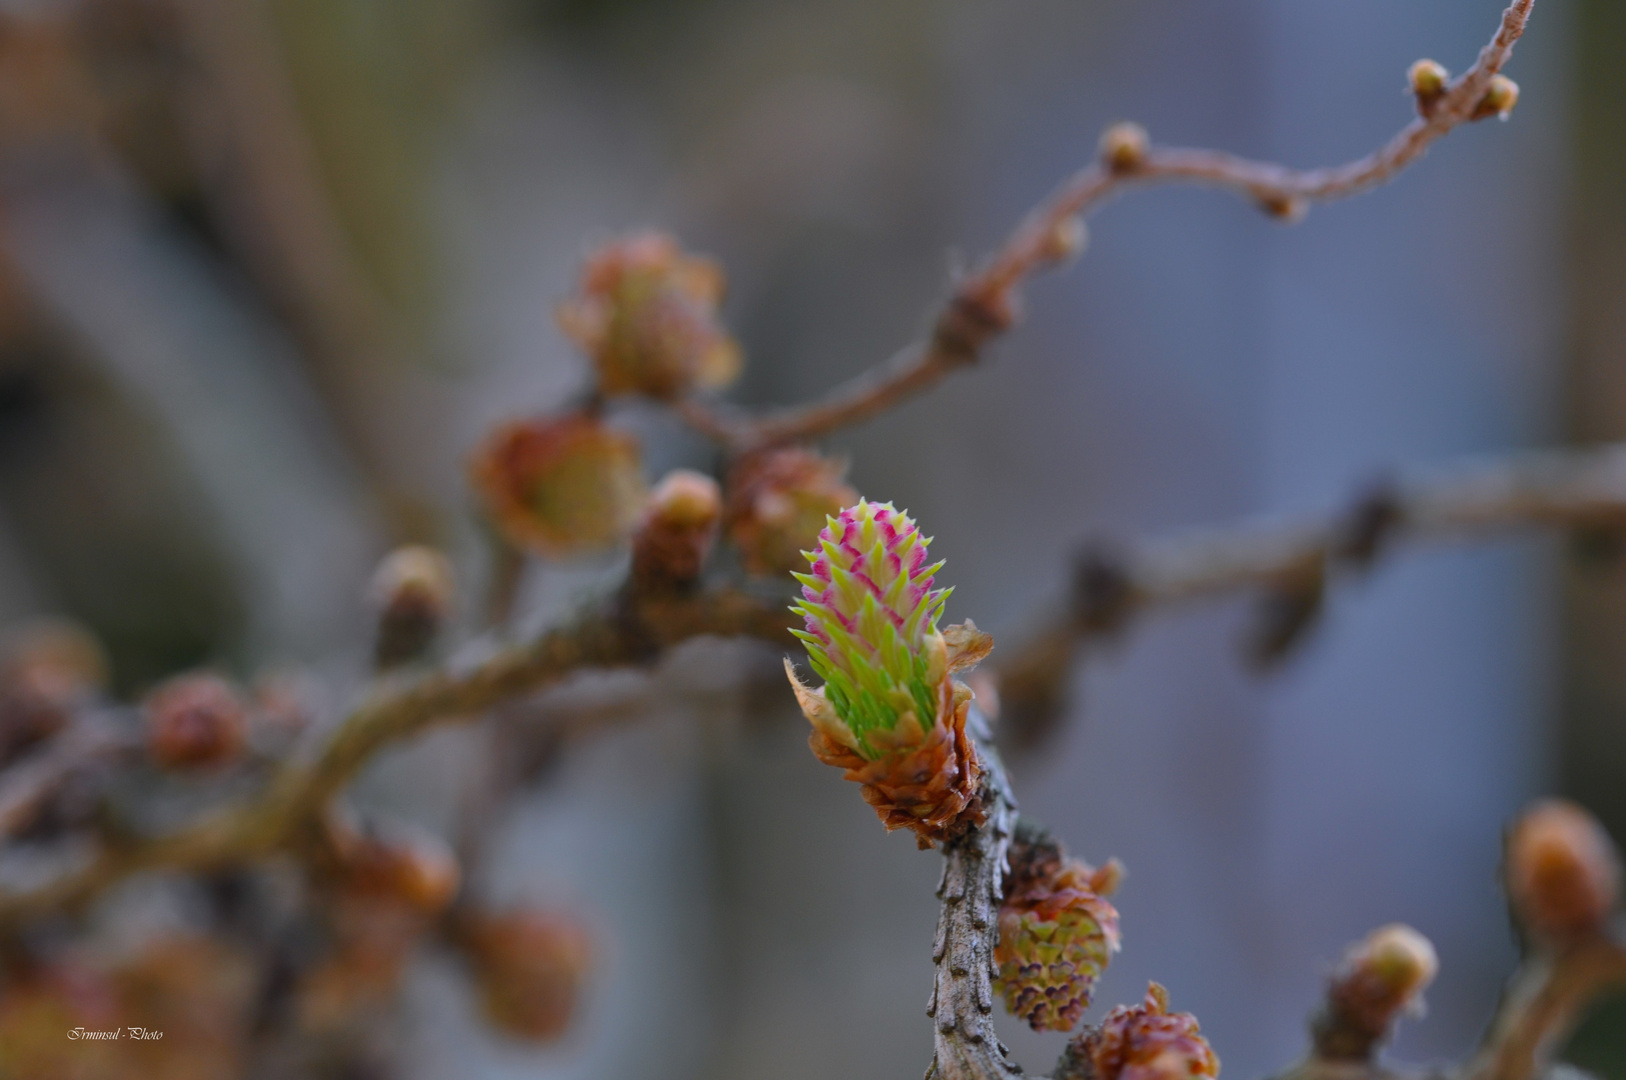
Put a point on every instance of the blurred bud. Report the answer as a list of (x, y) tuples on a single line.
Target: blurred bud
[(413, 591), (1500, 97), (402, 866), (1123, 147), (529, 967), (1428, 80), (1287, 209), (1066, 239), (1380, 977), (778, 501), (1146, 1042), (1563, 872), (50, 670), (647, 316), (195, 721), (1057, 933), (678, 530), (560, 486)]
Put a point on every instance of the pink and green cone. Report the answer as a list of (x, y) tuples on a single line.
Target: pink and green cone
[(1057, 933), (889, 713)]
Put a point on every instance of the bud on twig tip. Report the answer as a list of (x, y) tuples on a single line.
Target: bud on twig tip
[(413, 591), (1123, 147), (1429, 81), (1563, 872), (678, 529), (1381, 977), (195, 721)]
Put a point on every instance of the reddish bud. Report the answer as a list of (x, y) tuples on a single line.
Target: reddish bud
[(1380, 977), (647, 316), (678, 530), (560, 486), (1288, 209), (778, 501), (1147, 1042), (413, 591), (403, 866), (1124, 147), (195, 721), (1563, 872), (529, 967)]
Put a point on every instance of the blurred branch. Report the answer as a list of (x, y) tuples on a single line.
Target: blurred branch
[(1541, 1006), (986, 304), (1293, 560), (622, 631)]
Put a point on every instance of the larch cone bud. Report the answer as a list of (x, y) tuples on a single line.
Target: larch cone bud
[(646, 313), (560, 486), (1147, 1042), (1057, 933), (888, 712)]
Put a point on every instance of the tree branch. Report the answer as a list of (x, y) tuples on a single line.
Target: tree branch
[(621, 631), (1541, 1005), (1293, 559), (985, 305), (962, 1003)]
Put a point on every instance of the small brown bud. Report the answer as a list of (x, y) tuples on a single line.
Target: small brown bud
[(647, 315), (529, 966), (286, 702), (1381, 977), (678, 530), (1287, 209), (1123, 147), (1563, 872), (51, 669), (413, 591), (1146, 1042), (560, 486), (1429, 81), (1500, 97), (403, 866), (778, 501), (195, 721), (1065, 240)]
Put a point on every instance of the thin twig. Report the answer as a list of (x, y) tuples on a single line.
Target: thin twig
[(985, 305), (1571, 489)]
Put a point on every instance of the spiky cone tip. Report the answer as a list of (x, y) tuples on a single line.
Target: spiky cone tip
[(889, 714)]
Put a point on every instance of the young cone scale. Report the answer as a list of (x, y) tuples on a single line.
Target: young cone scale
[(1146, 1042), (889, 713), (1057, 933)]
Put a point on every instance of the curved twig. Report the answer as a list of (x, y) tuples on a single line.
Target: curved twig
[(984, 305)]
